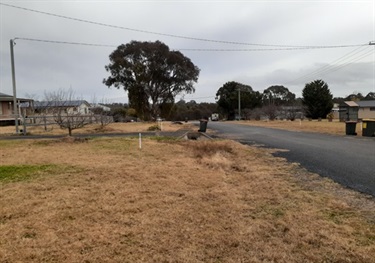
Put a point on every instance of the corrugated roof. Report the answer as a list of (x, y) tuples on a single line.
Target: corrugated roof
[(6, 97), (351, 103), (366, 103), (71, 103)]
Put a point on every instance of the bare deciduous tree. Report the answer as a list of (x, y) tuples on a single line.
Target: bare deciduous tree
[(101, 116), (270, 111), (67, 110)]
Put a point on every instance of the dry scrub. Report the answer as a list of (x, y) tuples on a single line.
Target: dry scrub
[(189, 201)]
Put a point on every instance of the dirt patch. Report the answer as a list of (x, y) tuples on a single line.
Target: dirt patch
[(176, 201)]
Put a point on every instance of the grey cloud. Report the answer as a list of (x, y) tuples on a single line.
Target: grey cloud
[(42, 66)]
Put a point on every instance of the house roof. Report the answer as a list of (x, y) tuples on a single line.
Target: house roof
[(351, 103), (6, 97), (105, 108), (366, 103), (348, 104), (46, 104)]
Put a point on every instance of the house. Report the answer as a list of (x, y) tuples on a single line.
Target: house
[(366, 109), (7, 108), (49, 107), (357, 110), (100, 106)]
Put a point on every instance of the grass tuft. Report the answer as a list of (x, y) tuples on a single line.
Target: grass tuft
[(210, 148), (154, 128)]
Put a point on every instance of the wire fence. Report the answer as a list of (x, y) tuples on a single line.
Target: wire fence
[(47, 121)]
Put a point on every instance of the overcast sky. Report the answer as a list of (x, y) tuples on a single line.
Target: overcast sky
[(43, 67)]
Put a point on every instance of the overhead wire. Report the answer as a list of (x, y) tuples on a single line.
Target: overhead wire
[(330, 68), (269, 47), (181, 49), (332, 65), (64, 42), (350, 62), (174, 35)]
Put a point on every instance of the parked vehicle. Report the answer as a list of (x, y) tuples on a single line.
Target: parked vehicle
[(215, 117)]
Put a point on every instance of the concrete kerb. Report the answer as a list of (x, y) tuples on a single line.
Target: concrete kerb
[(195, 136)]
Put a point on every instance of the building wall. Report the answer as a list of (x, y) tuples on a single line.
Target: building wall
[(366, 113), (6, 109), (348, 113), (82, 109)]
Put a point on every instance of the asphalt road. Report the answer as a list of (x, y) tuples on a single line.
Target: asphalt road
[(348, 160)]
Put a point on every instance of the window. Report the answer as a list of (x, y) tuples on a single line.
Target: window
[(372, 108)]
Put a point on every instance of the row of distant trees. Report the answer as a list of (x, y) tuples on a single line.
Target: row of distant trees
[(153, 75), (273, 102)]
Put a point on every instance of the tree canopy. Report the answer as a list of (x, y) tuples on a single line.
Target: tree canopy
[(278, 95), (227, 96), (370, 96), (317, 99), (355, 96), (152, 75)]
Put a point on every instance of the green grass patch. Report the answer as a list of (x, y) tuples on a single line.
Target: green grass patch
[(10, 143), (15, 173)]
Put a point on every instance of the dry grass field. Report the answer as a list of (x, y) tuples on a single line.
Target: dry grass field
[(96, 128), (335, 127), (106, 200)]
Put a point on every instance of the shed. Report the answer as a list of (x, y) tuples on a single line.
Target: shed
[(348, 111)]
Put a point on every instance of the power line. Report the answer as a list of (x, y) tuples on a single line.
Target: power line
[(64, 42), (350, 62), (323, 68), (173, 35), (184, 49), (268, 49), (332, 68)]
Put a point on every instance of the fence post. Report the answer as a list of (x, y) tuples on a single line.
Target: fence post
[(24, 124)]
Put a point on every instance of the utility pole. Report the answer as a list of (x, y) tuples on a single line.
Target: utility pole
[(239, 104), (372, 43), (15, 111)]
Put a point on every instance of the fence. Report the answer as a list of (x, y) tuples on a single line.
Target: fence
[(62, 120)]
